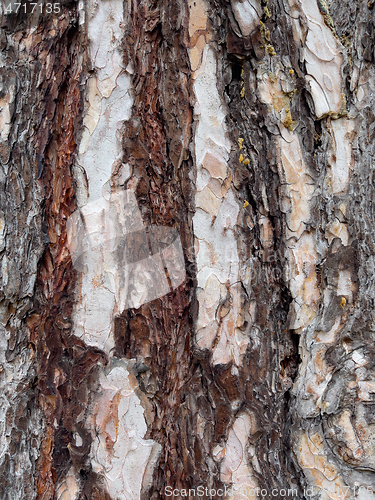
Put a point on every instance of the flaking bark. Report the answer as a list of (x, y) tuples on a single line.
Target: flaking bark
[(260, 377)]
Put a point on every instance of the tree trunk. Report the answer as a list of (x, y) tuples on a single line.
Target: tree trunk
[(187, 250)]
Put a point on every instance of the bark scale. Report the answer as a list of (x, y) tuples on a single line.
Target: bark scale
[(248, 128)]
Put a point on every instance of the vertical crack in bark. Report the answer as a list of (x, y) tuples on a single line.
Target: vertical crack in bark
[(50, 321), (156, 140), (262, 73), (254, 409), (42, 90)]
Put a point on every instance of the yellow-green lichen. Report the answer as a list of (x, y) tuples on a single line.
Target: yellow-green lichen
[(266, 12), (270, 49), (324, 9), (265, 32), (272, 77), (288, 122), (290, 94), (346, 40), (279, 102), (335, 116), (242, 93)]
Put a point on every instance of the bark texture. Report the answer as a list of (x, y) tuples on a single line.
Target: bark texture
[(187, 250)]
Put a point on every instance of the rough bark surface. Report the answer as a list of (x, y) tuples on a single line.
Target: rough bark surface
[(234, 356)]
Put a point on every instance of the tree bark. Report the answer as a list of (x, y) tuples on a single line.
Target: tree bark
[(187, 250)]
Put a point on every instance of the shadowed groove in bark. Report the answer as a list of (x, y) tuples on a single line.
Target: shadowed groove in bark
[(156, 141), (256, 183)]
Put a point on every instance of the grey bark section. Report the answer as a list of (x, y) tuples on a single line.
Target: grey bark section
[(32, 73), (21, 245), (345, 417)]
